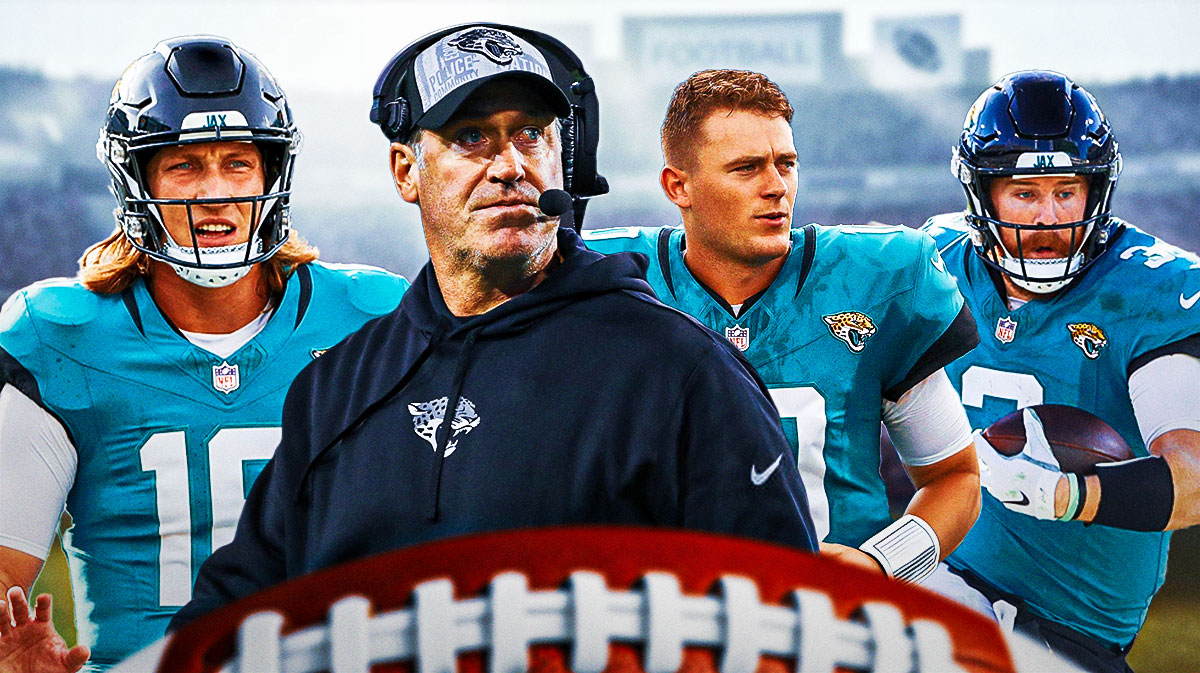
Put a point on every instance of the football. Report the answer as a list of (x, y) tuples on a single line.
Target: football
[(1079, 440), (590, 599)]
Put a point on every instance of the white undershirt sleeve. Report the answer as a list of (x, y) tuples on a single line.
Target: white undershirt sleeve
[(37, 470), (927, 423), (1164, 393)]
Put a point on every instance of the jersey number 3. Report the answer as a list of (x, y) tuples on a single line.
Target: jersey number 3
[(165, 454), (805, 408), (977, 381)]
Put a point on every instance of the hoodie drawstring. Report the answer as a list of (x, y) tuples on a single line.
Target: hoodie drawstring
[(460, 371), (302, 492)]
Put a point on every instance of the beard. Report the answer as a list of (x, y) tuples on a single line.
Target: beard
[(1061, 243), (510, 269)]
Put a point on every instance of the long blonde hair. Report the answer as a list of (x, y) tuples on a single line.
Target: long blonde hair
[(112, 265)]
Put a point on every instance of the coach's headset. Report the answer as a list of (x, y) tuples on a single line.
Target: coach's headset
[(580, 131)]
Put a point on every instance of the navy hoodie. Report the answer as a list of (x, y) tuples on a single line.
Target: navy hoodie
[(583, 400)]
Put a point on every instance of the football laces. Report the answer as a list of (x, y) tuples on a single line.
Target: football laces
[(587, 616)]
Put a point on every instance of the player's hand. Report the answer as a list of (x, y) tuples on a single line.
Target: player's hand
[(29, 644), (851, 555), (1024, 483)]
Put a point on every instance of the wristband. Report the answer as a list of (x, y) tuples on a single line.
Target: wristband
[(1136, 494), (1074, 501), (908, 549)]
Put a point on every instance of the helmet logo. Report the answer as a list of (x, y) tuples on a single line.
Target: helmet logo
[(972, 115), (497, 45)]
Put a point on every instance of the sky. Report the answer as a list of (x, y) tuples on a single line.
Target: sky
[(320, 45), (327, 55)]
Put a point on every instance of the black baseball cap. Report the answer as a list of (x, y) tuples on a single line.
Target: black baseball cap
[(446, 73)]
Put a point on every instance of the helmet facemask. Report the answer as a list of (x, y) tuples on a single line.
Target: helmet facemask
[(143, 223), (250, 108), (1087, 238), (1029, 125)]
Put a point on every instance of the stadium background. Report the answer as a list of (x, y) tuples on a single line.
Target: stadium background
[(879, 93)]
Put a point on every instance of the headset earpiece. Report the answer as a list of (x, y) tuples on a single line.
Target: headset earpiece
[(398, 120)]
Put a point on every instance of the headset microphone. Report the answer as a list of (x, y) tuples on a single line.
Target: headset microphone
[(555, 202)]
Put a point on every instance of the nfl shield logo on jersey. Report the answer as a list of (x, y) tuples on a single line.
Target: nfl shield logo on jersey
[(739, 336), (1006, 329), (226, 378)]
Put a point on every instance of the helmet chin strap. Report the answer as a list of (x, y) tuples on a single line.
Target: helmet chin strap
[(1027, 274), (210, 277)]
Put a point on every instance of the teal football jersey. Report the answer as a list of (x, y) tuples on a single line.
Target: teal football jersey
[(856, 315), (1076, 348), (169, 436)]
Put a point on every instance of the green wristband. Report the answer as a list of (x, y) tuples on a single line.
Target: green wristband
[(1073, 500)]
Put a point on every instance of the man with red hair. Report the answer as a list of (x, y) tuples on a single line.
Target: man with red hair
[(848, 326)]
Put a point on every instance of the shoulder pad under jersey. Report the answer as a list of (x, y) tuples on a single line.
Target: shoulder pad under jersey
[(370, 289), (622, 239)]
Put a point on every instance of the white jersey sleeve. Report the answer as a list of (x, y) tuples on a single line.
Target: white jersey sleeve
[(927, 423), (37, 466), (1164, 393)]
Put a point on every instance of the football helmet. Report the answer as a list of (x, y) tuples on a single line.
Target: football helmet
[(1032, 123), (198, 89)]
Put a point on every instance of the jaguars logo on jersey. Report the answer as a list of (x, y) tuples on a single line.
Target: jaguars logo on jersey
[(1088, 337), (851, 328), (496, 45)]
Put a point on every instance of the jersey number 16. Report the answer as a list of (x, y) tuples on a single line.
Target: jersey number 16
[(232, 453)]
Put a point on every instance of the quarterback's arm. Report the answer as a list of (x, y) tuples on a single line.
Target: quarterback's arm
[(1153, 493), (1161, 492), (931, 433), (18, 569), (933, 437), (1181, 450), (37, 461)]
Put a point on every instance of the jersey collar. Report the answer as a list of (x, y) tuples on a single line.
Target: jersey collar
[(783, 289), (164, 338)]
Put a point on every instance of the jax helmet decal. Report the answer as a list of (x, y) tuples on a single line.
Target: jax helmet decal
[(1033, 123), (197, 89)]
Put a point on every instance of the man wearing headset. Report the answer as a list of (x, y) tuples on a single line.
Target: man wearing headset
[(474, 407)]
